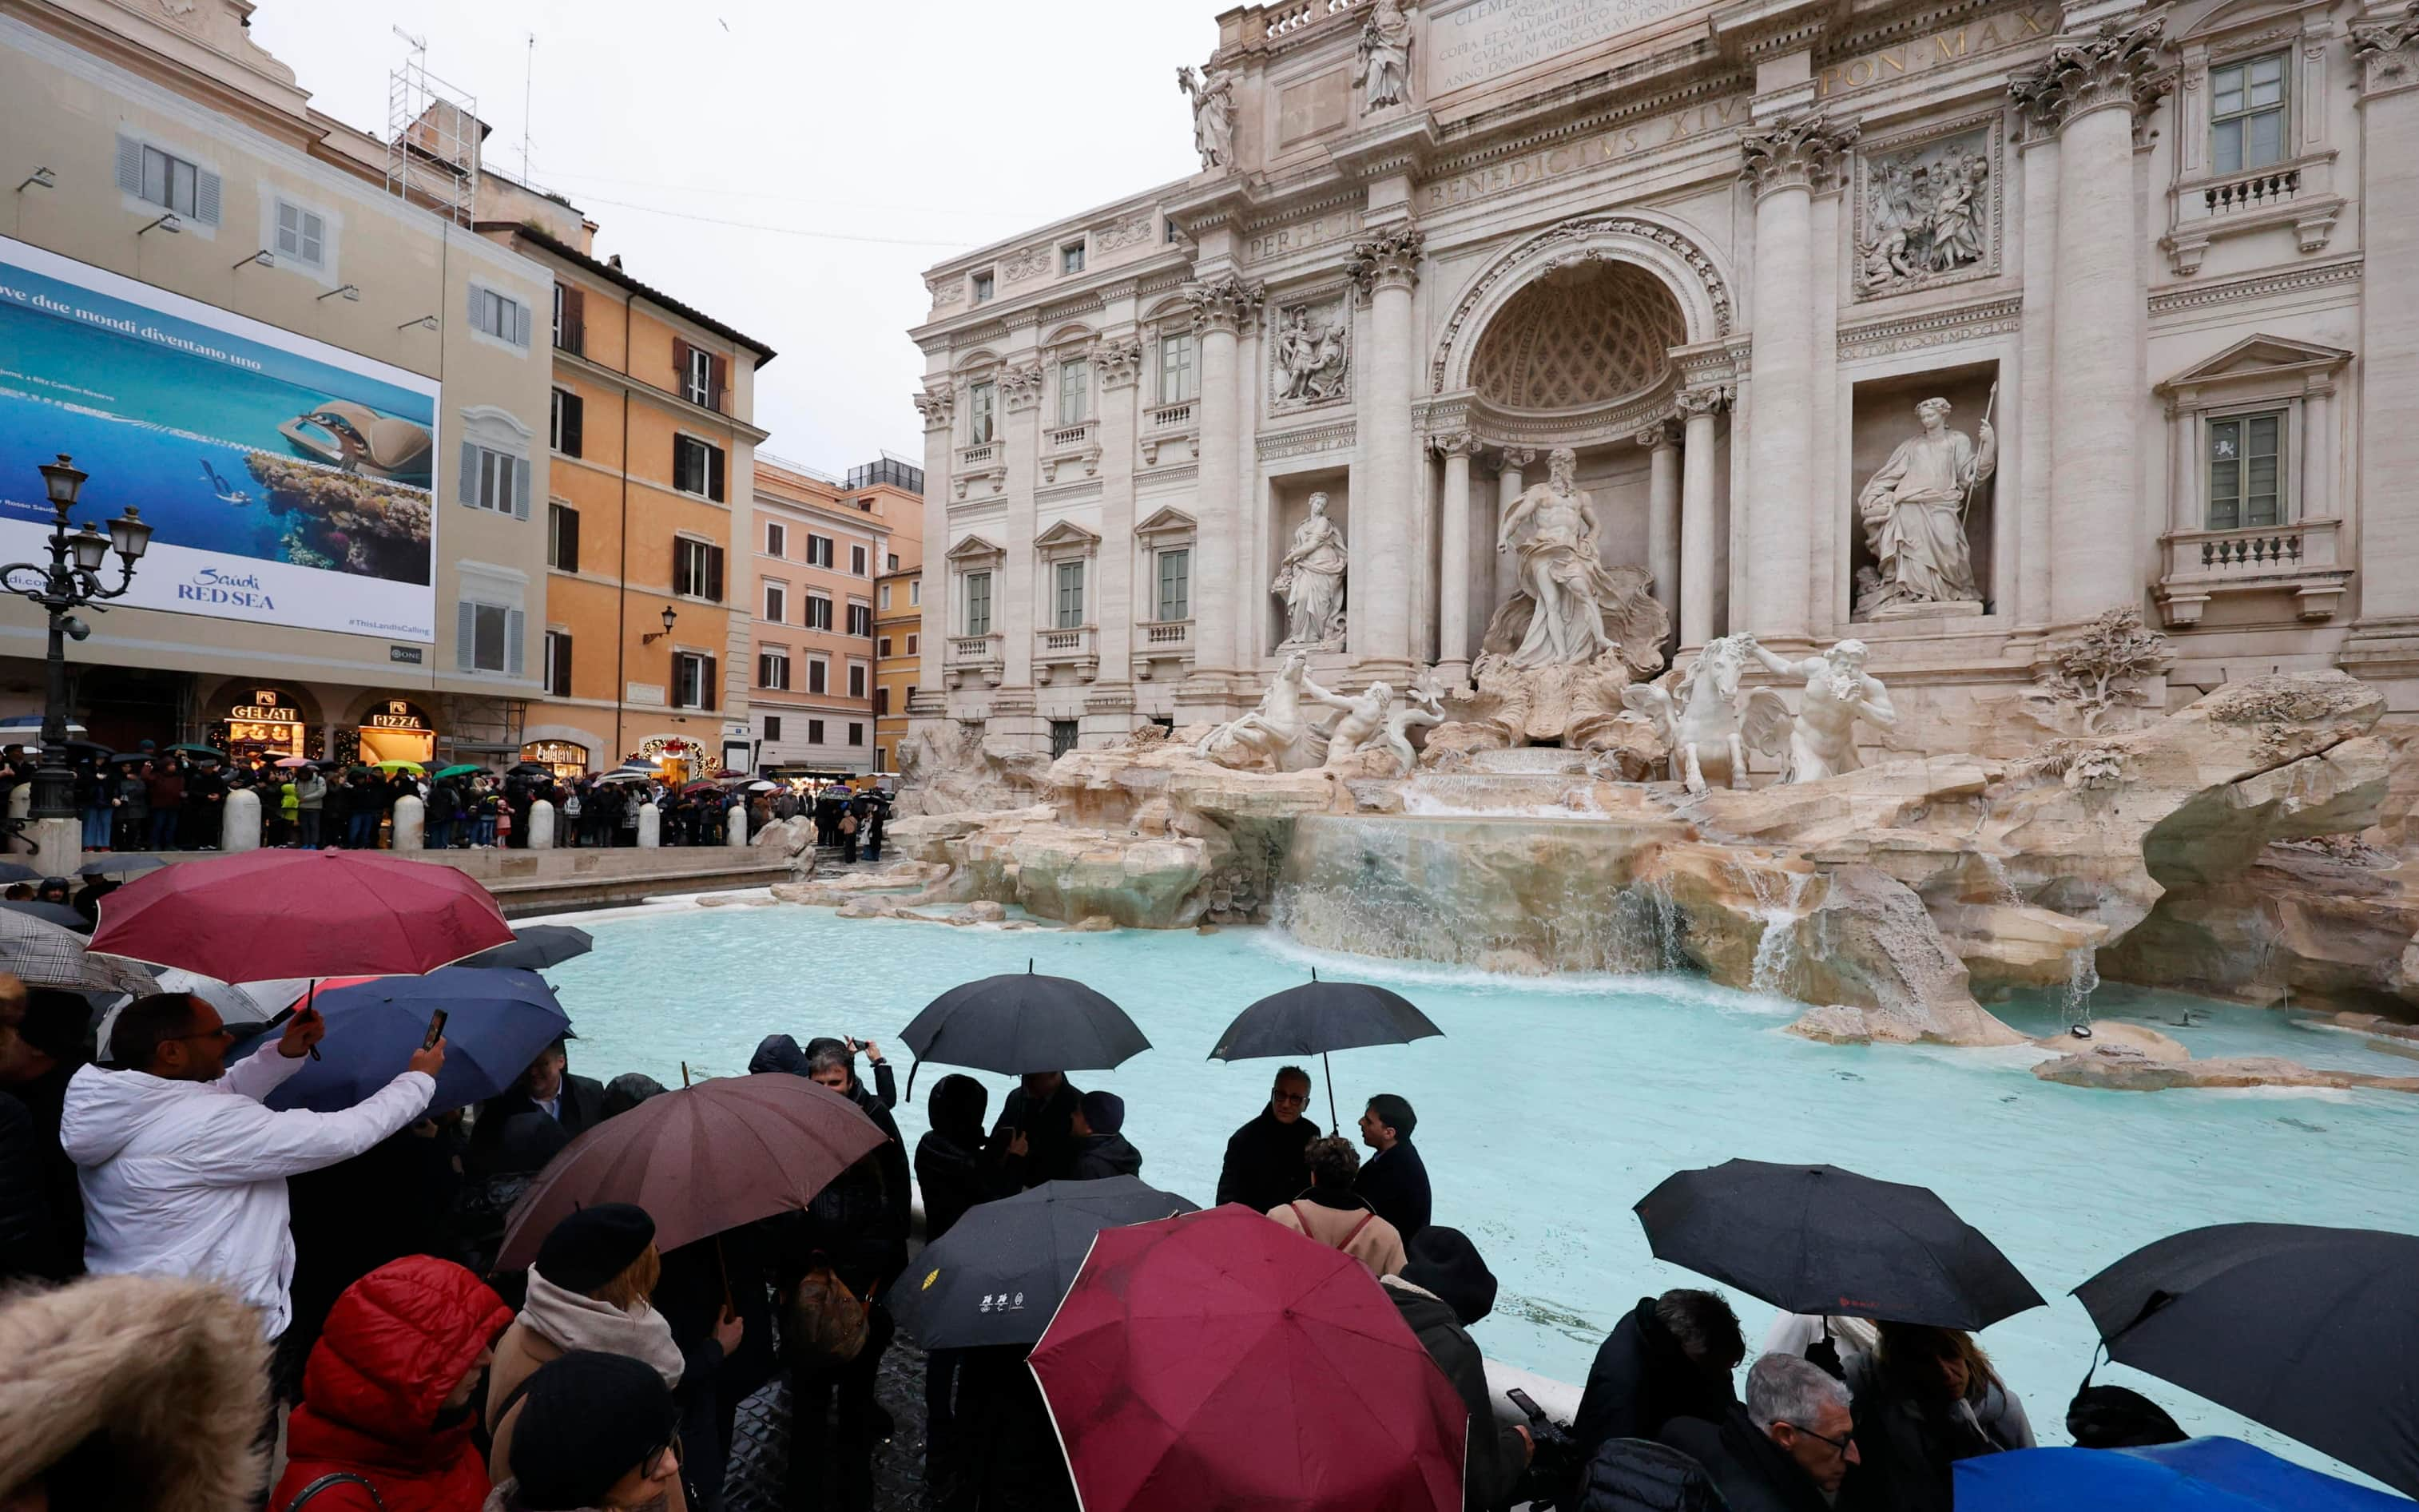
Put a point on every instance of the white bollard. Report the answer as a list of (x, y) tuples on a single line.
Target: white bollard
[(58, 846), (541, 828), (735, 827), (20, 806), (240, 830), (410, 824), (650, 827)]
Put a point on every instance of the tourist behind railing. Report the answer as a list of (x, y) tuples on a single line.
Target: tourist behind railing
[(134, 821), (164, 780), (310, 801), (1672, 1356), (1337, 1215), (1394, 1179), (1792, 1446)]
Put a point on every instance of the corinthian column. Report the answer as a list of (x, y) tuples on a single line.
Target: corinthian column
[(2386, 640), (2091, 92), (1786, 163), (1705, 566), (1220, 307), (1453, 605), (1509, 485), (1117, 361), (1662, 442), (1377, 620), (1015, 601), (938, 405)]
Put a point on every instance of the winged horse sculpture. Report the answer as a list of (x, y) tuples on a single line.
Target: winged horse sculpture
[(1700, 719)]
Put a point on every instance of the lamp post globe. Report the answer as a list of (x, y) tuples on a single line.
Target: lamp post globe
[(70, 581)]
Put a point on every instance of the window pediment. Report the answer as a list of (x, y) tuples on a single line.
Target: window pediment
[(1066, 539), (974, 551), (1168, 521), (2257, 362)]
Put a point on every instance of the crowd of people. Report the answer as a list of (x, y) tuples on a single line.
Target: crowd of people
[(410, 1370)]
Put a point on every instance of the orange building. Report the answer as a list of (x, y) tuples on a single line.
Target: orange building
[(816, 547), (897, 654), (645, 651)]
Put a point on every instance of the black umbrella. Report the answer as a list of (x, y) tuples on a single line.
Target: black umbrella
[(59, 914), (535, 947), (1320, 1016), (1018, 1023), (1001, 1271), (1816, 1238), (112, 866), (19, 871), (2314, 1332)]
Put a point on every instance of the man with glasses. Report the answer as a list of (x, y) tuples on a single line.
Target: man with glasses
[(1264, 1167), (1787, 1450), (182, 1168)]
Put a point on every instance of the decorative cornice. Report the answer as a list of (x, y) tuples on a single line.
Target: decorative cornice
[(1335, 435), (1226, 304), (1118, 360), (1931, 327), (1020, 385), (2116, 65), (2200, 295), (1803, 153), (1389, 260)]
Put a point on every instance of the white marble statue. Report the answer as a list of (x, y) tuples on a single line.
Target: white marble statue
[(1553, 526), (1422, 706), (1384, 74), (1700, 719), (1839, 692), (1363, 724), (1310, 580), (1214, 114), (1278, 731), (1913, 510), (1312, 356)]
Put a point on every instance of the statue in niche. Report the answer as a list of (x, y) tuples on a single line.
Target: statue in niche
[(1922, 214), (1839, 692), (1310, 580), (1384, 75), (1312, 356), (1214, 114), (1278, 732), (1914, 512), (1578, 608)]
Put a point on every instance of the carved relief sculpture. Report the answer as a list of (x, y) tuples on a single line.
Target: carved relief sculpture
[(1020, 387), (1224, 304), (1384, 73), (1392, 256), (1839, 692), (1118, 362), (2101, 668), (1310, 580), (1926, 214), (938, 405), (1422, 706), (1213, 115), (1914, 513), (1311, 355)]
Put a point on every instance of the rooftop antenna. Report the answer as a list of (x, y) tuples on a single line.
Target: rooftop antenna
[(419, 44), (529, 76)]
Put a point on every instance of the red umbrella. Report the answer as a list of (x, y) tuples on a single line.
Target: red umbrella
[(1220, 1360), (701, 1160), (263, 914)]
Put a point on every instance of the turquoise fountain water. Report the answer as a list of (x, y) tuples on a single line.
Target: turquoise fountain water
[(1553, 1105)]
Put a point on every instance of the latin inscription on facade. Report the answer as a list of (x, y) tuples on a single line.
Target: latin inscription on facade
[(1489, 39), (1278, 240), (1933, 52), (1613, 146)]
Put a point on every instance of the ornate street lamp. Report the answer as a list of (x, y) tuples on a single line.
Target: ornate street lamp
[(70, 582)]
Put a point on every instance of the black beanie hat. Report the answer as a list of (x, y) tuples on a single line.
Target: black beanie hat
[(593, 1245), (1445, 1262), (587, 1419)]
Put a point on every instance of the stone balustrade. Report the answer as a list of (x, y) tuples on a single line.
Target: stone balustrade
[(2302, 557), (1076, 650), (2299, 194), (982, 656)]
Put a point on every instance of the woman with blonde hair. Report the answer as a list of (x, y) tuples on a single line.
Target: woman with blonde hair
[(1925, 1399), (591, 1287)]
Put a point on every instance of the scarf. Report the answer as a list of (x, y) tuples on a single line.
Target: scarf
[(572, 1321)]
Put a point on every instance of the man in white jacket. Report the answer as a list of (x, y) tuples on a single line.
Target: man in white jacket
[(183, 1170)]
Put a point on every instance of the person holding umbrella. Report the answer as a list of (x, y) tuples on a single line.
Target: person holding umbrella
[(183, 1171), (1264, 1164), (1035, 1138)]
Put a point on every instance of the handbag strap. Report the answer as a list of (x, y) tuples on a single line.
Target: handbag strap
[(334, 1478)]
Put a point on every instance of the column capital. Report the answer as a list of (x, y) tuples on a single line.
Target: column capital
[(1455, 443), (1118, 360), (2116, 63), (1224, 304), (2387, 52), (1710, 400), (1020, 385), (1388, 260), (1515, 458), (1804, 152), (1661, 435), (937, 404)]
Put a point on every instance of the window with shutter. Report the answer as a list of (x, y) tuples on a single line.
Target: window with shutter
[(856, 734), (817, 677), (720, 381), (301, 236), (814, 732), (776, 539), (562, 537), (472, 465), (570, 318), (819, 615), (714, 573), (465, 636), (713, 479), (682, 353), (516, 639), (520, 487), (711, 677), (857, 560), (857, 682), (130, 166), (772, 728), (558, 663)]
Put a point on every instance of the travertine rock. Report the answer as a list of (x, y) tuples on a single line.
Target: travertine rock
[(2116, 1037), (2123, 1069), (1093, 924), (2007, 946)]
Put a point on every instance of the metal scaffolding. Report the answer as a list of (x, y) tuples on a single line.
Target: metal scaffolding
[(433, 132)]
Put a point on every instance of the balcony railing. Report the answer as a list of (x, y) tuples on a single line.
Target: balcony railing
[(571, 337), (1170, 633), (2300, 558), (1063, 438), (980, 454), (1172, 416), (1077, 649), (2298, 194), (978, 655)]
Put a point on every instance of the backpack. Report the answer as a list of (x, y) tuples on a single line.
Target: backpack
[(331, 1480), (826, 1322)]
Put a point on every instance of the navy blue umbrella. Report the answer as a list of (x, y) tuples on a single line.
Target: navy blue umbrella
[(1000, 1273), (499, 1022), (2198, 1476)]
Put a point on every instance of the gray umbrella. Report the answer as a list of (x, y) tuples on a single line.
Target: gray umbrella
[(1000, 1273), (536, 946), (59, 914), (112, 866), (45, 955)]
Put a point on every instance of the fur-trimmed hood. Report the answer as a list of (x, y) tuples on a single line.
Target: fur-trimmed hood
[(174, 1370)]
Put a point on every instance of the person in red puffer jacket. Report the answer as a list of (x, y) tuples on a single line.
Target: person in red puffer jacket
[(391, 1391)]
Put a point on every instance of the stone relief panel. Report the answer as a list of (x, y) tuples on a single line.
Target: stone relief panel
[(1309, 343), (1928, 209), (1024, 264), (1135, 231)]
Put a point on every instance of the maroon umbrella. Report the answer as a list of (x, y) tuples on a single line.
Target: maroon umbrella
[(1222, 1360), (265, 913), (701, 1160)]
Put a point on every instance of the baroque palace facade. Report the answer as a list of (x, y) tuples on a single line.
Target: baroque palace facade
[(2161, 266)]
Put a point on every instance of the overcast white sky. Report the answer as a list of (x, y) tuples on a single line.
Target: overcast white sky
[(943, 124)]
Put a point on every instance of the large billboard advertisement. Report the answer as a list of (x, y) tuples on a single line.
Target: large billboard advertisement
[(289, 482)]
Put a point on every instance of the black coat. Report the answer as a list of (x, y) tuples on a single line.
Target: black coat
[(1264, 1165), (861, 1220), (1752, 1473), (1642, 1379), (1006, 1448), (580, 1104), (1640, 1476), (31, 1246), (1908, 1450), (1049, 1135), (1497, 1456), (1395, 1181), (953, 1176), (1098, 1156)]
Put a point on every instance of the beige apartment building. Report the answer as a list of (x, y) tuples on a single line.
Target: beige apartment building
[(817, 545), (277, 336)]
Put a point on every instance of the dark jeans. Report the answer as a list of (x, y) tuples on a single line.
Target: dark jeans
[(439, 834), (163, 829), (309, 820), (831, 1426), (360, 830), (940, 1412)]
